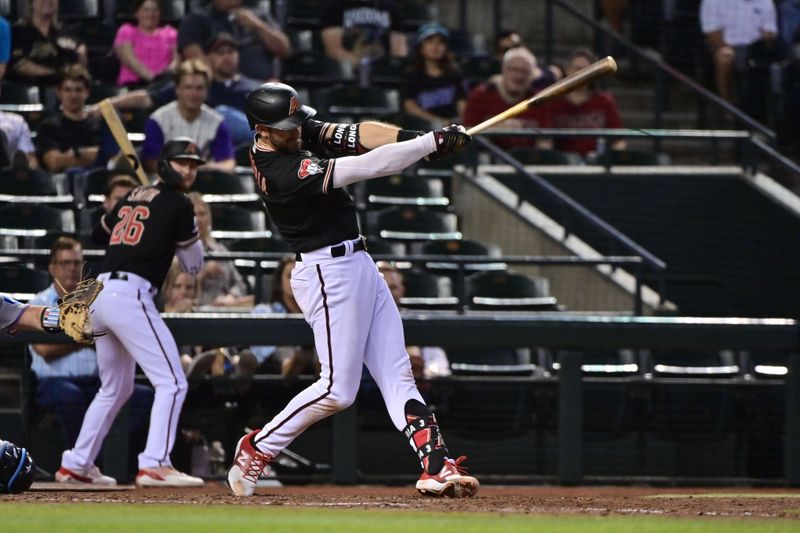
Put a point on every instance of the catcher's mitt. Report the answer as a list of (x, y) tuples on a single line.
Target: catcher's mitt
[(73, 316)]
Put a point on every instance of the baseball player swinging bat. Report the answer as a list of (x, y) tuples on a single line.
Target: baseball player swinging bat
[(121, 136), (594, 71)]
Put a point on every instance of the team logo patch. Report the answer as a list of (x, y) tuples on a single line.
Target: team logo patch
[(191, 148), (307, 168), (294, 105)]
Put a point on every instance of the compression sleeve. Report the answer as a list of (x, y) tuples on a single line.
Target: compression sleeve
[(191, 257), (382, 161)]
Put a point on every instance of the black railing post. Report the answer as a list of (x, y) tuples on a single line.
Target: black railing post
[(660, 94), (258, 288), (461, 289), (638, 307), (549, 20), (344, 469), (570, 419), (791, 437)]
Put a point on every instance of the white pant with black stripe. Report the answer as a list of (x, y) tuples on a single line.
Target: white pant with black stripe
[(355, 322), (136, 333)]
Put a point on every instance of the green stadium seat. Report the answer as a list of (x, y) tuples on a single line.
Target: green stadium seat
[(413, 224), (509, 292)]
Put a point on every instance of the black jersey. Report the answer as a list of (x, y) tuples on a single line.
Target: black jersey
[(143, 230), (297, 190)]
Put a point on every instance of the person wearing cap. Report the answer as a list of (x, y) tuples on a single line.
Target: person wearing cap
[(229, 88), (142, 233), (145, 50), (189, 116), (434, 91), (260, 39)]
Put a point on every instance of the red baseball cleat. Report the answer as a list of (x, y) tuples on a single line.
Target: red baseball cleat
[(451, 481), (248, 464)]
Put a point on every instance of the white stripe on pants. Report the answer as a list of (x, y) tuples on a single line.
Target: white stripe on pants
[(355, 321), (136, 334)]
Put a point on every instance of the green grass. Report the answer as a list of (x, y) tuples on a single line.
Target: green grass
[(140, 518)]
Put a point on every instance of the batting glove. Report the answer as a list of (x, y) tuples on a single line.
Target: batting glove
[(450, 140)]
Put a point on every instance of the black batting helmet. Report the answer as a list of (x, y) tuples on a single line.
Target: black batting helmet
[(16, 468), (276, 105), (177, 148)]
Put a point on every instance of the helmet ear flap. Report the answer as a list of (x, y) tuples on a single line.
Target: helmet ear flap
[(170, 176)]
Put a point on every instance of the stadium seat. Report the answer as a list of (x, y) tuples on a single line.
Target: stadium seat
[(415, 13), (698, 364), (477, 70), (219, 182), (630, 158), (405, 190), (426, 291), (539, 156), (459, 247), (101, 91), (171, 10), (313, 69), (508, 291), (504, 408), (88, 219), (19, 98), (378, 246), (358, 102), (37, 183), (79, 10), (232, 222), (412, 224), (8, 9), (268, 245), (388, 71), (767, 365), (467, 44), (34, 220), (22, 282), (305, 13), (301, 40)]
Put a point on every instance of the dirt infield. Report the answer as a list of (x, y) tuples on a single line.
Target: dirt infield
[(687, 502)]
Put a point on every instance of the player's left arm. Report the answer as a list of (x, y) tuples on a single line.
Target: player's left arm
[(333, 139), (188, 246)]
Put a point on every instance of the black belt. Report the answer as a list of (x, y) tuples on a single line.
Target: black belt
[(341, 249), (119, 275)]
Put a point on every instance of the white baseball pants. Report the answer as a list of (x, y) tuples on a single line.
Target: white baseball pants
[(355, 322), (136, 333)]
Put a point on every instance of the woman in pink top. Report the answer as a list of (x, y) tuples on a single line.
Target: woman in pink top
[(145, 50)]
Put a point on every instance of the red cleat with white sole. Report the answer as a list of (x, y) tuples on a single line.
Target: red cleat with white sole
[(84, 476), (248, 464), (451, 481)]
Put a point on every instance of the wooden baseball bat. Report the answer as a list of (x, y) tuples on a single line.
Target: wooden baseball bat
[(121, 136), (586, 75)]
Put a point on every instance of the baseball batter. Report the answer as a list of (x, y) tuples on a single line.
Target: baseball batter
[(143, 232), (337, 285)]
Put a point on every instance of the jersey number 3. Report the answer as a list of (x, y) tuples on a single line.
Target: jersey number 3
[(130, 228)]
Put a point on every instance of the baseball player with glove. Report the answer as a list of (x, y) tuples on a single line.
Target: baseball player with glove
[(16, 465), (301, 167), (143, 232)]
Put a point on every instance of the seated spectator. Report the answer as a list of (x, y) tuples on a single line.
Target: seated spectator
[(730, 26), (435, 90), (289, 361), (220, 284), (41, 48), (67, 379), (511, 86), (70, 138), (145, 50), (584, 107), (426, 361), (363, 29), (259, 37), (226, 94), (18, 138), (189, 117)]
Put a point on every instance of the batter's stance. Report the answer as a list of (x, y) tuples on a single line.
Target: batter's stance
[(335, 282), (143, 232)]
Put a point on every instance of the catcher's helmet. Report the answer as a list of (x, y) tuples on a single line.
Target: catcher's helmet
[(16, 468), (276, 105), (177, 148)]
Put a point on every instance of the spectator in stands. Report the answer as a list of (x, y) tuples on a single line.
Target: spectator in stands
[(259, 37), (188, 116), (289, 361), (511, 86), (5, 45), (730, 26), (18, 143), (219, 282), (584, 107), (70, 138), (426, 361), (117, 187), (357, 30), (504, 41), (145, 50), (40, 47), (229, 88), (67, 379), (435, 91)]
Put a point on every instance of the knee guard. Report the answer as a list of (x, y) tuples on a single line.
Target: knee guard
[(424, 436)]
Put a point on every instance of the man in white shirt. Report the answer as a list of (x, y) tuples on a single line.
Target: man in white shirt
[(730, 26)]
